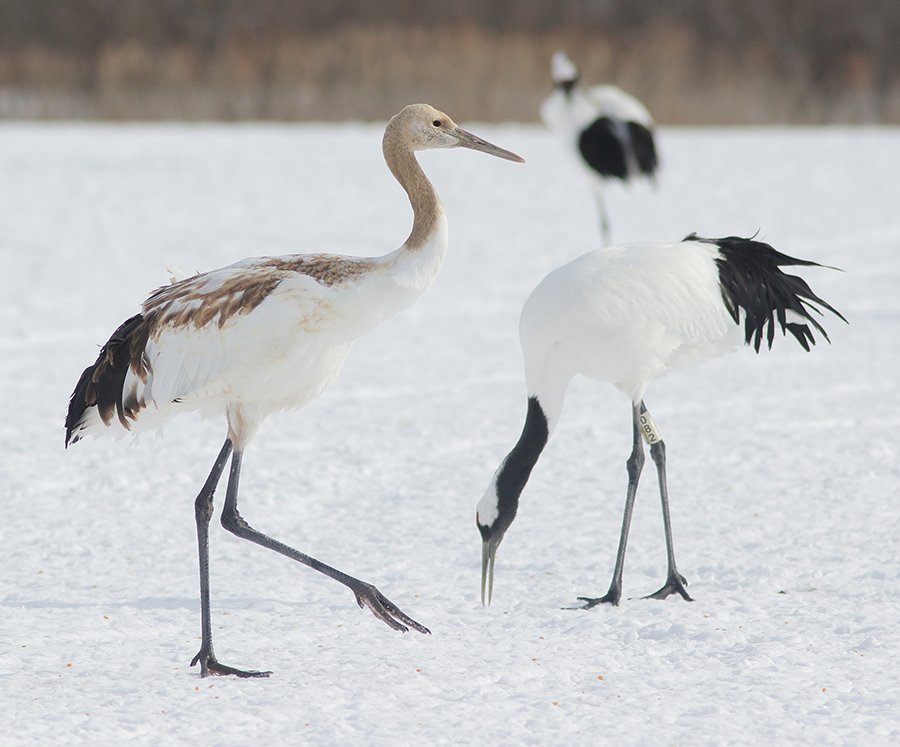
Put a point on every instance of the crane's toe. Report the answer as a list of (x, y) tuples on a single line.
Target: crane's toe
[(674, 585), (209, 665), (385, 610), (611, 597)]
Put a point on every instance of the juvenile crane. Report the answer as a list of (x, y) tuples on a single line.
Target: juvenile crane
[(627, 315), (610, 132), (263, 335)]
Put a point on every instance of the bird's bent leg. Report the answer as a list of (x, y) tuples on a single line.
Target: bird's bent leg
[(634, 466), (366, 594), (203, 510), (675, 582)]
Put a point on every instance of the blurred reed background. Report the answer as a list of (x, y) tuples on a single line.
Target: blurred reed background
[(689, 61)]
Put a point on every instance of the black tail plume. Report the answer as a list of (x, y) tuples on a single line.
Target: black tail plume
[(751, 280)]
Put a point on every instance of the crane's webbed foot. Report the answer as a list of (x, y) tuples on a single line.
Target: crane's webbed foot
[(384, 609), (675, 584), (210, 665)]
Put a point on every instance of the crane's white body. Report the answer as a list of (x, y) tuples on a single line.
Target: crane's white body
[(625, 315), (573, 112), (206, 354)]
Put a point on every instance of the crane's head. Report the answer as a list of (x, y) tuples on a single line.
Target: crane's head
[(493, 517), (563, 70), (422, 127)]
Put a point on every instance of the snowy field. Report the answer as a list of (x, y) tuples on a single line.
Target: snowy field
[(783, 467)]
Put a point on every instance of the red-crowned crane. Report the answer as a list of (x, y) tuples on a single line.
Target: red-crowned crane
[(609, 131), (263, 335), (627, 315)]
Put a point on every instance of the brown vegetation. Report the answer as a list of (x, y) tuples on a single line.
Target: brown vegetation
[(690, 61)]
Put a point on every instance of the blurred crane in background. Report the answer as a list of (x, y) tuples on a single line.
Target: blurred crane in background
[(610, 132)]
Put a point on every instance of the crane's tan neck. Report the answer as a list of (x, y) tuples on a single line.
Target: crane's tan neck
[(426, 205)]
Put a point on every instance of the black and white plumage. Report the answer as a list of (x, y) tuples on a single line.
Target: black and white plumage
[(627, 315), (263, 335), (610, 132)]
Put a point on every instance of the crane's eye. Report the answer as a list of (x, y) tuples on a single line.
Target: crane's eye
[(436, 123)]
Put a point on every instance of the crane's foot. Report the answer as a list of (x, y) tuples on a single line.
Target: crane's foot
[(611, 597), (210, 665), (674, 585), (384, 609)]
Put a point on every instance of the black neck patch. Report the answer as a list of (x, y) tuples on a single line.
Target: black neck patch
[(517, 467), (567, 86), (750, 279)]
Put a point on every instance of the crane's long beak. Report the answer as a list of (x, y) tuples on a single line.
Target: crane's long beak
[(488, 553), (468, 140)]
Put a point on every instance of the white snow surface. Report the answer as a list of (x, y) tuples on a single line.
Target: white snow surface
[(783, 466)]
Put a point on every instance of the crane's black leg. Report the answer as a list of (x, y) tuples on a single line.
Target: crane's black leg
[(203, 509), (675, 582), (604, 218), (634, 465), (366, 594)]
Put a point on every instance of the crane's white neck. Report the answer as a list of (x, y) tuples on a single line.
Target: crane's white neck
[(413, 267)]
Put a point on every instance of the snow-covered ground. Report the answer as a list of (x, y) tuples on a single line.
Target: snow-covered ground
[(783, 467)]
